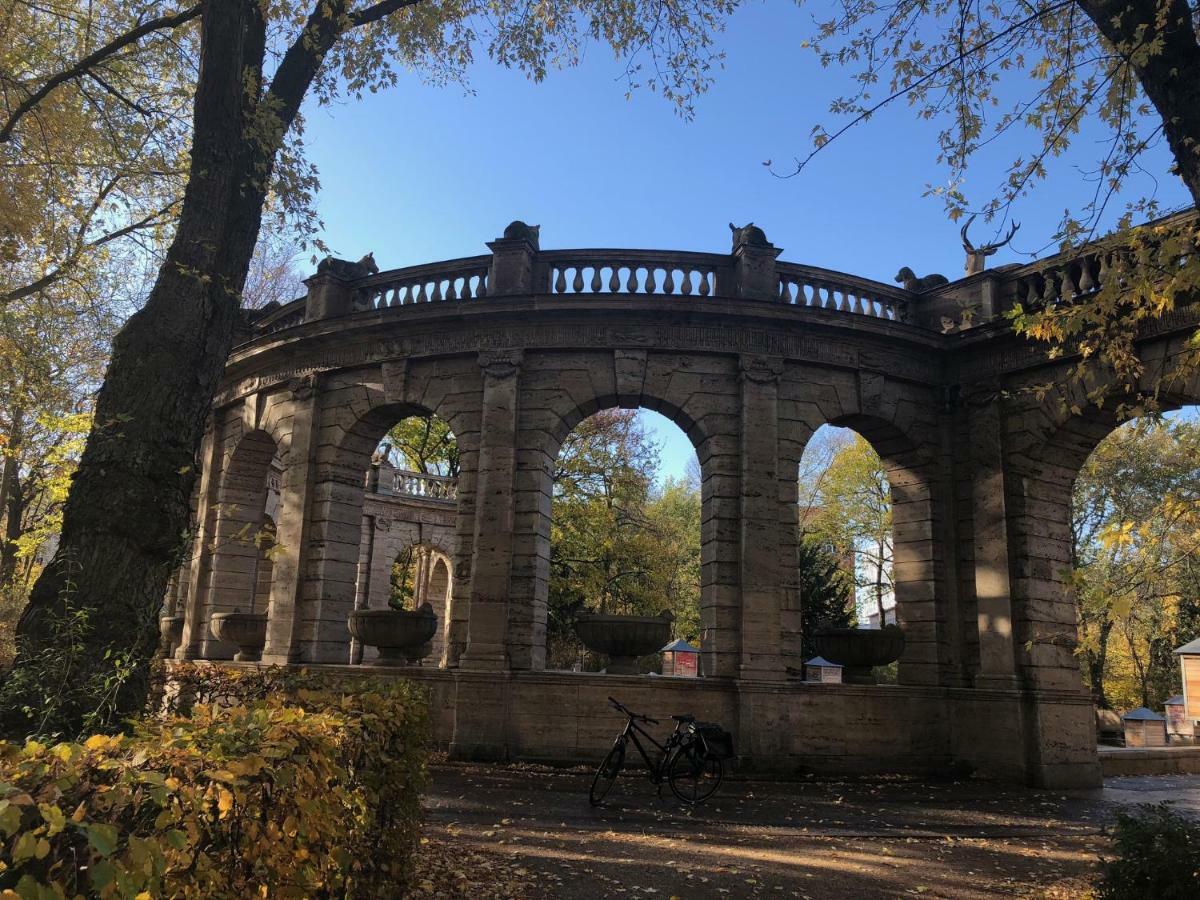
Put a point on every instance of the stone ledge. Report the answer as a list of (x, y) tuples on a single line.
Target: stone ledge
[(1116, 761)]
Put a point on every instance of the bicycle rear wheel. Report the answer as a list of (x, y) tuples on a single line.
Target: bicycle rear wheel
[(692, 774), (607, 773)]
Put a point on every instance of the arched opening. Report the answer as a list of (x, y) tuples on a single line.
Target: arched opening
[(241, 569), (625, 539), (406, 508), (1135, 560), (866, 541)]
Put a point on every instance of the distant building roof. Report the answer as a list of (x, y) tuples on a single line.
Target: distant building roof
[(1141, 714), (822, 661), (1177, 700), (679, 646), (1190, 648)]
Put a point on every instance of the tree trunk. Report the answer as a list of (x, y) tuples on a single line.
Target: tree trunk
[(128, 504), (1097, 663), (1170, 75), (10, 500)]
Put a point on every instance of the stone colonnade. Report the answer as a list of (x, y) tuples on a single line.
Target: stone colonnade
[(980, 479)]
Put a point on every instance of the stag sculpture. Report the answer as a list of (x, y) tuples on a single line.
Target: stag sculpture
[(976, 256)]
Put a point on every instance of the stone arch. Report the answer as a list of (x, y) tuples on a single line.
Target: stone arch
[(356, 414), (239, 516), (534, 501), (1047, 448), (918, 553)]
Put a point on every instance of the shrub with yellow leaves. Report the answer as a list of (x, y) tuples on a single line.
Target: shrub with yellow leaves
[(288, 787)]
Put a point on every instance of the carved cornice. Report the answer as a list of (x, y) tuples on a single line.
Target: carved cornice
[(500, 364), (761, 369)]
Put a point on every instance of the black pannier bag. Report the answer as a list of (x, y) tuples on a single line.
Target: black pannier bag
[(717, 742)]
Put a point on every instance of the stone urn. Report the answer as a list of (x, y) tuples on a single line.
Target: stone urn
[(171, 629), (624, 638), (858, 650), (247, 630), (401, 636)]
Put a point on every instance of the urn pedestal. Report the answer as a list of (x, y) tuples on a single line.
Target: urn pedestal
[(624, 638), (401, 636)]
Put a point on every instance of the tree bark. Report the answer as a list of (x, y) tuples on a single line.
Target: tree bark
[(1097, 663), (10, 500), (128, 504), (1170, 75)]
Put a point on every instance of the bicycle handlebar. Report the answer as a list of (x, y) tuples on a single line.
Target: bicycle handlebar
[(618, 706)]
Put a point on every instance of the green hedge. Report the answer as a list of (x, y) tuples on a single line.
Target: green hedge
[(280, 785)]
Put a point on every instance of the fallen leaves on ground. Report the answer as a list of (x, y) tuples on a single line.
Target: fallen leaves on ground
[(446, 867)]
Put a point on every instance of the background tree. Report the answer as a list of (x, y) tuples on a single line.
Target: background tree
[(618, 543), (826, 591), (1031, 75), (848, 508), (256, 66), (1136, 528), (423, 444)]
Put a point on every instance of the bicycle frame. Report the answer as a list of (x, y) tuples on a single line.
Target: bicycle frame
[(633, 729)]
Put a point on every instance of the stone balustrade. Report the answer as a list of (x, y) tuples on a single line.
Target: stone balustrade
[(677, 274), (457, 279), (427, 487)]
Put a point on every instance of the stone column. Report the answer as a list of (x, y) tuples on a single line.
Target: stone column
[(292, 528), (762, 583), (195, 626), (993, 590), (492, 557)]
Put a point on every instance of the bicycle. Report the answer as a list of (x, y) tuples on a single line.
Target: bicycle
[(684, 762)]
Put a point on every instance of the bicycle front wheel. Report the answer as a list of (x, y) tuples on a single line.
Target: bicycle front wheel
[(607, 774), (692, 774)]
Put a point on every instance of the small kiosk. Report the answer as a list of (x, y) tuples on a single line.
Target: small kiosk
[(821, 671), (681, 659), (1144, 728)]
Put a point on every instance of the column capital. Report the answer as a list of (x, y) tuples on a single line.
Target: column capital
[(761, 369), (305, 387), (500, 364)]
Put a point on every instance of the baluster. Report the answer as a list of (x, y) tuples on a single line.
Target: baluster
[(1048, 288), (614, 282), (1105, 265), (668, 286), (843, 303), (631, 285), (421, 298), (1087, 283), (577, 281), (704, 287), (465, 294), (1068, 284), (451, 291), (651, 279), (482, 289), (1031, 294), (685, 286), (560, 281), (437, 291), (595, 279)]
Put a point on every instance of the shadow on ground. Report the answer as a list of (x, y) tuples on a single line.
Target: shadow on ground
[(528, 831)]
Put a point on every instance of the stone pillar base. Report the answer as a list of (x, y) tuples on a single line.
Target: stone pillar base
[(481, 717)]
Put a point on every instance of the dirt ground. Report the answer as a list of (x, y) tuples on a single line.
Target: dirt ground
[(529, 831)]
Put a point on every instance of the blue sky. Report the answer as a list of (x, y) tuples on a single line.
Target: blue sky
[(419, 173)]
